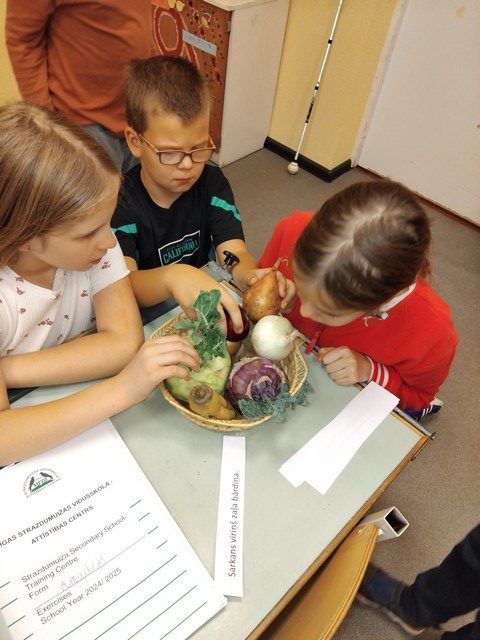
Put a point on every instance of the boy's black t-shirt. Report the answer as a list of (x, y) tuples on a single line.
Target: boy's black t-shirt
[(200, 218)]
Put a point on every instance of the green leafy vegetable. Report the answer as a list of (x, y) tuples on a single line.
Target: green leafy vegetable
[(277, 408), (204, 332), (211, 344)]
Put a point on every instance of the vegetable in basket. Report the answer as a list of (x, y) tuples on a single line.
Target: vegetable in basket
[(211, 344), (273, 337), (234, 339), (254, 378), (258, 387), (208, 403), (263, 297)]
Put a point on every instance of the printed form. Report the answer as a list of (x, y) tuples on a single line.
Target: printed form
[(88, 550)]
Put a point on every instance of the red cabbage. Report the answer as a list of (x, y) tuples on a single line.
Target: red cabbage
[(256, 378)]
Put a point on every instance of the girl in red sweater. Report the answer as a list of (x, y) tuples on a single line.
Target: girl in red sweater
[(359, 265)]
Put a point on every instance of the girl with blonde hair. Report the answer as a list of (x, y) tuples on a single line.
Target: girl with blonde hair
[(68, 313)]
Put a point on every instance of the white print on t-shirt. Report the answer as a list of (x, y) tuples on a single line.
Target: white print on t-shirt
[(178, 249)]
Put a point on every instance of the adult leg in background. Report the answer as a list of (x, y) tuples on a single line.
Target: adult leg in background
[(116, 146)]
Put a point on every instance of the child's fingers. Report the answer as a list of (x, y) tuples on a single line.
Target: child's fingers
[(290, 293), (339, 362), (347, 367), (190, 313), (180, 360), (282, 284), (343, 381), (336, 353), (174, 350), (255, 275), (157, 360), (323, 352), (166, 343), (233, 310), (174, 371)]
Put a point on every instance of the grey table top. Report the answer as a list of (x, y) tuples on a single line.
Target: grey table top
[(288, 531)]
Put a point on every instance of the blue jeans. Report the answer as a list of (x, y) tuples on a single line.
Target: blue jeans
[(449, 590), (116, 146)]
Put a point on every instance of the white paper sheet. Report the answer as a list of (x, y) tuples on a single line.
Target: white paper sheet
[(321, 460), (88, 550), (231, 505)]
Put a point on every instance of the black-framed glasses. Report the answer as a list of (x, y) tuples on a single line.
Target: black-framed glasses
[(170, 156)]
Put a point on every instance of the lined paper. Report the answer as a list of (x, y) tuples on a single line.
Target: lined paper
[(90, 551)]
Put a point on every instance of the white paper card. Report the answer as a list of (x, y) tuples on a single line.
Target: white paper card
[(321, 460), (231, 505), (88, 549)]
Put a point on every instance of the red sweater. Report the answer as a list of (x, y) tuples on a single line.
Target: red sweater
[(71, 55), (411, 349)]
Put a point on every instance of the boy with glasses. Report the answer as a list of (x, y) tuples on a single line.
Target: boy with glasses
[(175, 212)]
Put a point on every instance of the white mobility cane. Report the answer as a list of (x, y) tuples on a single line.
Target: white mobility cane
[(293, 166)]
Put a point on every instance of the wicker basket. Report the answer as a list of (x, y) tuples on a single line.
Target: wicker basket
[(294, 366)]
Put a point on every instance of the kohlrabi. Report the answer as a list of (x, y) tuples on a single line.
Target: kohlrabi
[(257, 379), (211, 344), (258, 387)]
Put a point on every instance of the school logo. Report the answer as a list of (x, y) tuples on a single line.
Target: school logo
[(178, 249), (38, 480)]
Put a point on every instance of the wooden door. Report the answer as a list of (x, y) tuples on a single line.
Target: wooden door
[(200, 32)]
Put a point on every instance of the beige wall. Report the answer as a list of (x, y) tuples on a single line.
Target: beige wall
[(346, 83), (8, 87), (347, 79)]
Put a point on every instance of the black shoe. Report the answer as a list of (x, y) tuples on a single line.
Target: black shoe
[(434, 407), (381, 591)]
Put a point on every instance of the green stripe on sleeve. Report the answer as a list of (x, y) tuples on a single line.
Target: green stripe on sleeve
[(126, 228), (226, 206)]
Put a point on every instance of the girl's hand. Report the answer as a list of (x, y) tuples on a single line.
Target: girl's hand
[(287, 291), (286, 288), (155, 361), (345, 366)]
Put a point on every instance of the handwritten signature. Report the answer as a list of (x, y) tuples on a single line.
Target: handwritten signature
[(89, 567)]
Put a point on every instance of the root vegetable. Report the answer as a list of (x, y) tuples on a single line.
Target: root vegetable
[(257, 379), (210, 342), (209, 404), (214, 373)]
